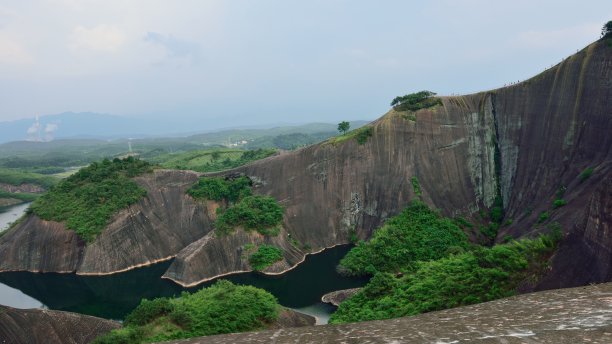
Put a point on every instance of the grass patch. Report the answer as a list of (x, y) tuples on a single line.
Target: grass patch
[(221, 308), (417, 234), (265, 256), (361, 135), (88, 199), (479, 275), (211, 160)]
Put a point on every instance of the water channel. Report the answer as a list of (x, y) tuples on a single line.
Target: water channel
[(113, 296)]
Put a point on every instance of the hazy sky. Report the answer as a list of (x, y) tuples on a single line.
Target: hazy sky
[(246, 62)]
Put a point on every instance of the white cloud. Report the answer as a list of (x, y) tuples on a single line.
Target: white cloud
[(99, 38), (12, 52)]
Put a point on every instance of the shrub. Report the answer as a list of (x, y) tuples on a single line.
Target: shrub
[(363, 134), (415, 101), (543, 216), (416, 186), (149, 310), (221, 308), (417, 234), (221, 189), (584, 175), (88, 199), (265, 256), (559, 203), (260, 213), (480, 275)]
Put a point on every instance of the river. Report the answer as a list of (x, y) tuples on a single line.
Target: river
[(113, 296)]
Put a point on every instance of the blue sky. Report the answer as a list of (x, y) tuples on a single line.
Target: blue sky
[(242, 62)]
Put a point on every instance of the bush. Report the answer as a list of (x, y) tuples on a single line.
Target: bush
[(417, 234), (260, 213), (480, 275), (221, 308), (559, 203), (87, 200), (149, 310), (543, 216), (265, 256), (416, 186), (221, 189), (584, 175), (415, 101)]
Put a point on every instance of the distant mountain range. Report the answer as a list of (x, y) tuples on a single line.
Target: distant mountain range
[(88, 125)]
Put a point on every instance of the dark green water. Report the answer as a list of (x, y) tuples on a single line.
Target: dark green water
[(116, 295)]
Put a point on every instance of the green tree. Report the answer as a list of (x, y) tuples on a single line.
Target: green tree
[(343, 127), (606, 30), (215, 155)]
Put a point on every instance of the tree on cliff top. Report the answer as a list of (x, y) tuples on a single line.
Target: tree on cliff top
[(343, 127), (606, 30)]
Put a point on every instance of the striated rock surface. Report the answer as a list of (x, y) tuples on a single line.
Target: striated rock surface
[(41, 326), (579, 315), (523, 142), (155, 229), (337, 297)]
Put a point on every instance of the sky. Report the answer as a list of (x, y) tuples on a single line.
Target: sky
[(239, 62)]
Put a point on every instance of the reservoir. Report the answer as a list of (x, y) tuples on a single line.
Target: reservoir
[(113, 296)]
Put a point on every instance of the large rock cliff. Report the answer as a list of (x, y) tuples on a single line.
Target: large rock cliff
[(521, 143), (33, 326)]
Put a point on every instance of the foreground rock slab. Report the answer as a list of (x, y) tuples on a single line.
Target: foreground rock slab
[(577, 315), (32, 326)]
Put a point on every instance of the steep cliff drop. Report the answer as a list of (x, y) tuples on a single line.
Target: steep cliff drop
[(523, 144)]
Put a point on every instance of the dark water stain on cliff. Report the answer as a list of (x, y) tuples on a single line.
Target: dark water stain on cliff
[(113, 296)]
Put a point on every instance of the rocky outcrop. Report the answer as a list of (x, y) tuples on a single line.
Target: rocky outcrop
[(521, 143), (153, 230), (580, 315), (290, 318), (337, 297), (33, 326), (25, 187)]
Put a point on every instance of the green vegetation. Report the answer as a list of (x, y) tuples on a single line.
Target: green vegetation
[(17, 177), (361, 135), (260, 213), (584, 175), (221, 189), (265, 256), (87, 200), (22, 196), (417, 234), (415, 101), (221, 308), (479, 275), (606, 30), (252, 212), (211, 160), (416, 186), (543, 216), (343, 127), (559, 203)]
